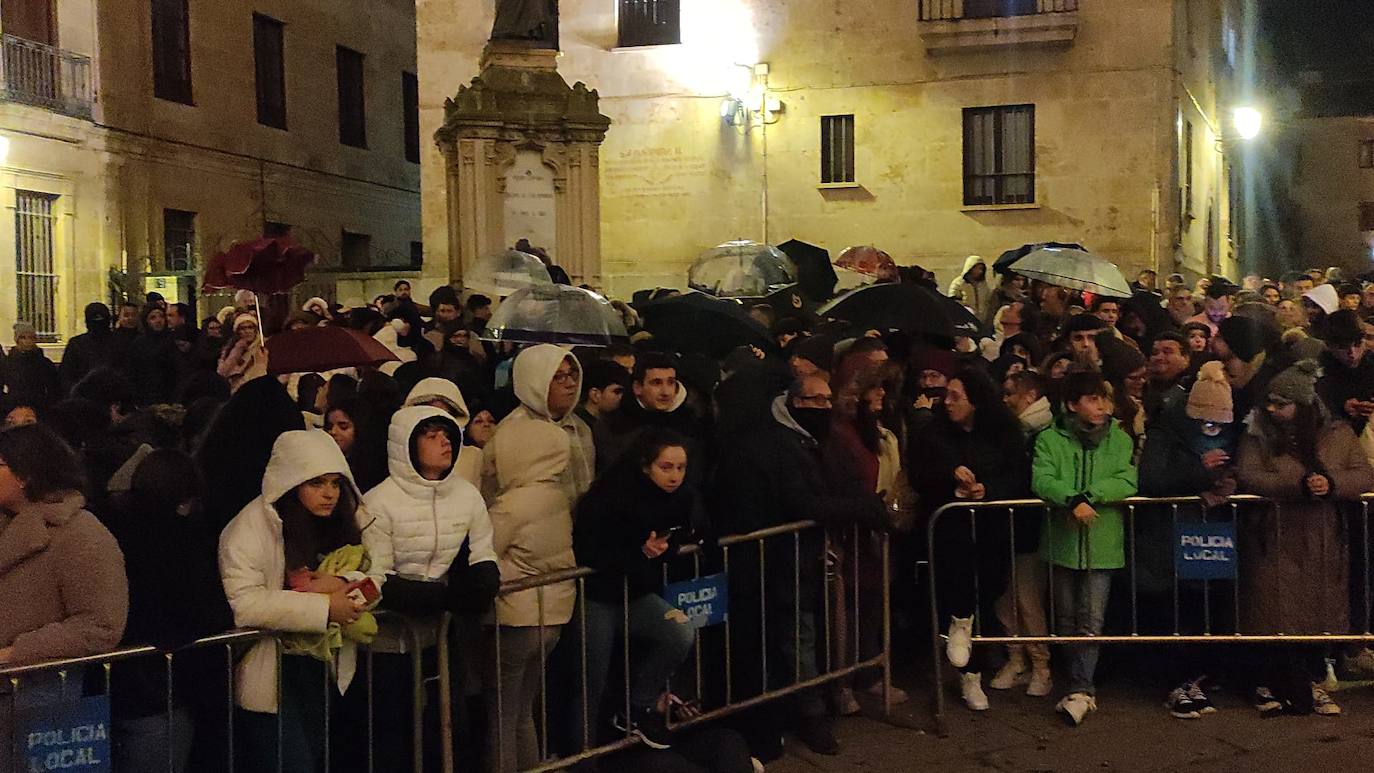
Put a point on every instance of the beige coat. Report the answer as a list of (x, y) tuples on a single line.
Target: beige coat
[(63, 584), (534, 470), (1295, 565)]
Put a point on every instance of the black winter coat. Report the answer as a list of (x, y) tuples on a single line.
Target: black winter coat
[(175, 597), (30, 376), (1001, 464), (153, 368), (85, 353), (614, 519), (1340, 383)]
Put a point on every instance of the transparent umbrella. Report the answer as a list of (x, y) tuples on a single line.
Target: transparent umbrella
[(508, 272), (741, 269), (556, 314)]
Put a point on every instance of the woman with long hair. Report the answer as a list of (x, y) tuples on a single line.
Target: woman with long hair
[(361, 436), (974, 452), (276, 561)]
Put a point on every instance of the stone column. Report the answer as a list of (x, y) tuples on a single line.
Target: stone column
[(519, 122)]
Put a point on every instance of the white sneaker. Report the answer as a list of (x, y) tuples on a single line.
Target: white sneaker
[(1013, 672), (971, 685), (1075, 706), (1041, 683), (959, 646), (1323, 704)]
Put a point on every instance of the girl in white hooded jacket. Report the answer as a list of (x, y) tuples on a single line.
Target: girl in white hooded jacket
[(308, 508)]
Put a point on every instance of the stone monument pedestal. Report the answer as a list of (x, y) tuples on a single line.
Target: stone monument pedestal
[(521, 153)]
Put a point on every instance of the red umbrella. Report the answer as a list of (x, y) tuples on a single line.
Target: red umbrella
[(870, 261), (267, 265), (320, 349)]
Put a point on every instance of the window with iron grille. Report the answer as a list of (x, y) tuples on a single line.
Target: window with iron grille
[(352, 103), (837, 148), (35, 261), (355, 250), (987, 9), (410, 100), (172, 50), (650, 23), (269, 69), (1367, 154), (1367, 216), (179, 240), (999, 155)]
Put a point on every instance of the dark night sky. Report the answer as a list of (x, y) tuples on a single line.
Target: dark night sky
[(1334, 37)]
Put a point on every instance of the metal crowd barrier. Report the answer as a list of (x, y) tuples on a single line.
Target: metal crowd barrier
[(765, 541), (71, 673), (1232, 506)]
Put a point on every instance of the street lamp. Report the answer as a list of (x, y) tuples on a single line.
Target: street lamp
[(1248, 122)]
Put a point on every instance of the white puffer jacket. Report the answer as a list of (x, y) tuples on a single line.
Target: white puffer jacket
[(419, 525), (252, 567), (432, 389)]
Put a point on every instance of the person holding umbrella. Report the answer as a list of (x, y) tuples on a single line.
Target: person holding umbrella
[(244, 357)]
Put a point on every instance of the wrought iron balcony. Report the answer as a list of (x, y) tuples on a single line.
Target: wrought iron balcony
[(45, 76), (952, 25)]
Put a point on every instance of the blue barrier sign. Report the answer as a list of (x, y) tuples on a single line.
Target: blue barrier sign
[(72, 735), (705, 600), (1205, 551)]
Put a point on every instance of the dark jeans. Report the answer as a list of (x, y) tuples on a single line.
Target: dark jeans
[(302, 718), (658, 645), (972, 563)]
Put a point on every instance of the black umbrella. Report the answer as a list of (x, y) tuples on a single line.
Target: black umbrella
[(815, 276), (906, 307), (1004, 261), (695, 322)]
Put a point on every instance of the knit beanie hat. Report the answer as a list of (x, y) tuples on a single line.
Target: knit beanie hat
[(1298, 383), (1210, 397), (1325, 297), (243, 319), (1245, 337), (1080, 322), (938, 360)]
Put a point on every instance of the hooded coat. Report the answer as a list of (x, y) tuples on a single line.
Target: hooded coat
[(1062, 470), (252, 567), (531, 489), (975, 295), (469, 465), (421, 525), (1295, 564), (90, 350), (62, 578)]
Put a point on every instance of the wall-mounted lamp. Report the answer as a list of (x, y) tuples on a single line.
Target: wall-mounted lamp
[(757, 107), (1248, 122)]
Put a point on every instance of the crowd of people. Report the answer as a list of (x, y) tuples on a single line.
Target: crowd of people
[(157, 486)]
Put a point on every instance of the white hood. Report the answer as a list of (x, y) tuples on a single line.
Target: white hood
[(298, 456), (533, 372), (398, 462), (970, 262), (433, 388)]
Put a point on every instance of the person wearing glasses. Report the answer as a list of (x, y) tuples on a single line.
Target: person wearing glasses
[(1296, 582), (535, 467)]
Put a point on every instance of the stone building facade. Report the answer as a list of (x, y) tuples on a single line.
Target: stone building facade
[(192, 125), (933, 129)]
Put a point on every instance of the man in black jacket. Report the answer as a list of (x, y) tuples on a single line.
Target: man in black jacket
[(658, 399), (1347, 382), (90, 350), (771, 477)]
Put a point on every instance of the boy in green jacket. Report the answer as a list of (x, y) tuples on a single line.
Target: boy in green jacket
[(1082, 462)]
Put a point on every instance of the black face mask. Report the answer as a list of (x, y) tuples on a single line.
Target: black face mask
[(816, 421), (934, 393)]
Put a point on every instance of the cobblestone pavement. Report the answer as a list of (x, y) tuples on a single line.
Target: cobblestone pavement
[(1131, 731)]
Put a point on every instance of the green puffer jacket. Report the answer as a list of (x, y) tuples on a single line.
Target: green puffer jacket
[(1063, 470)]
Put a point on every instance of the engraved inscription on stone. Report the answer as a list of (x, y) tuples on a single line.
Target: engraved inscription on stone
[(659, 172), (529, 204)]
